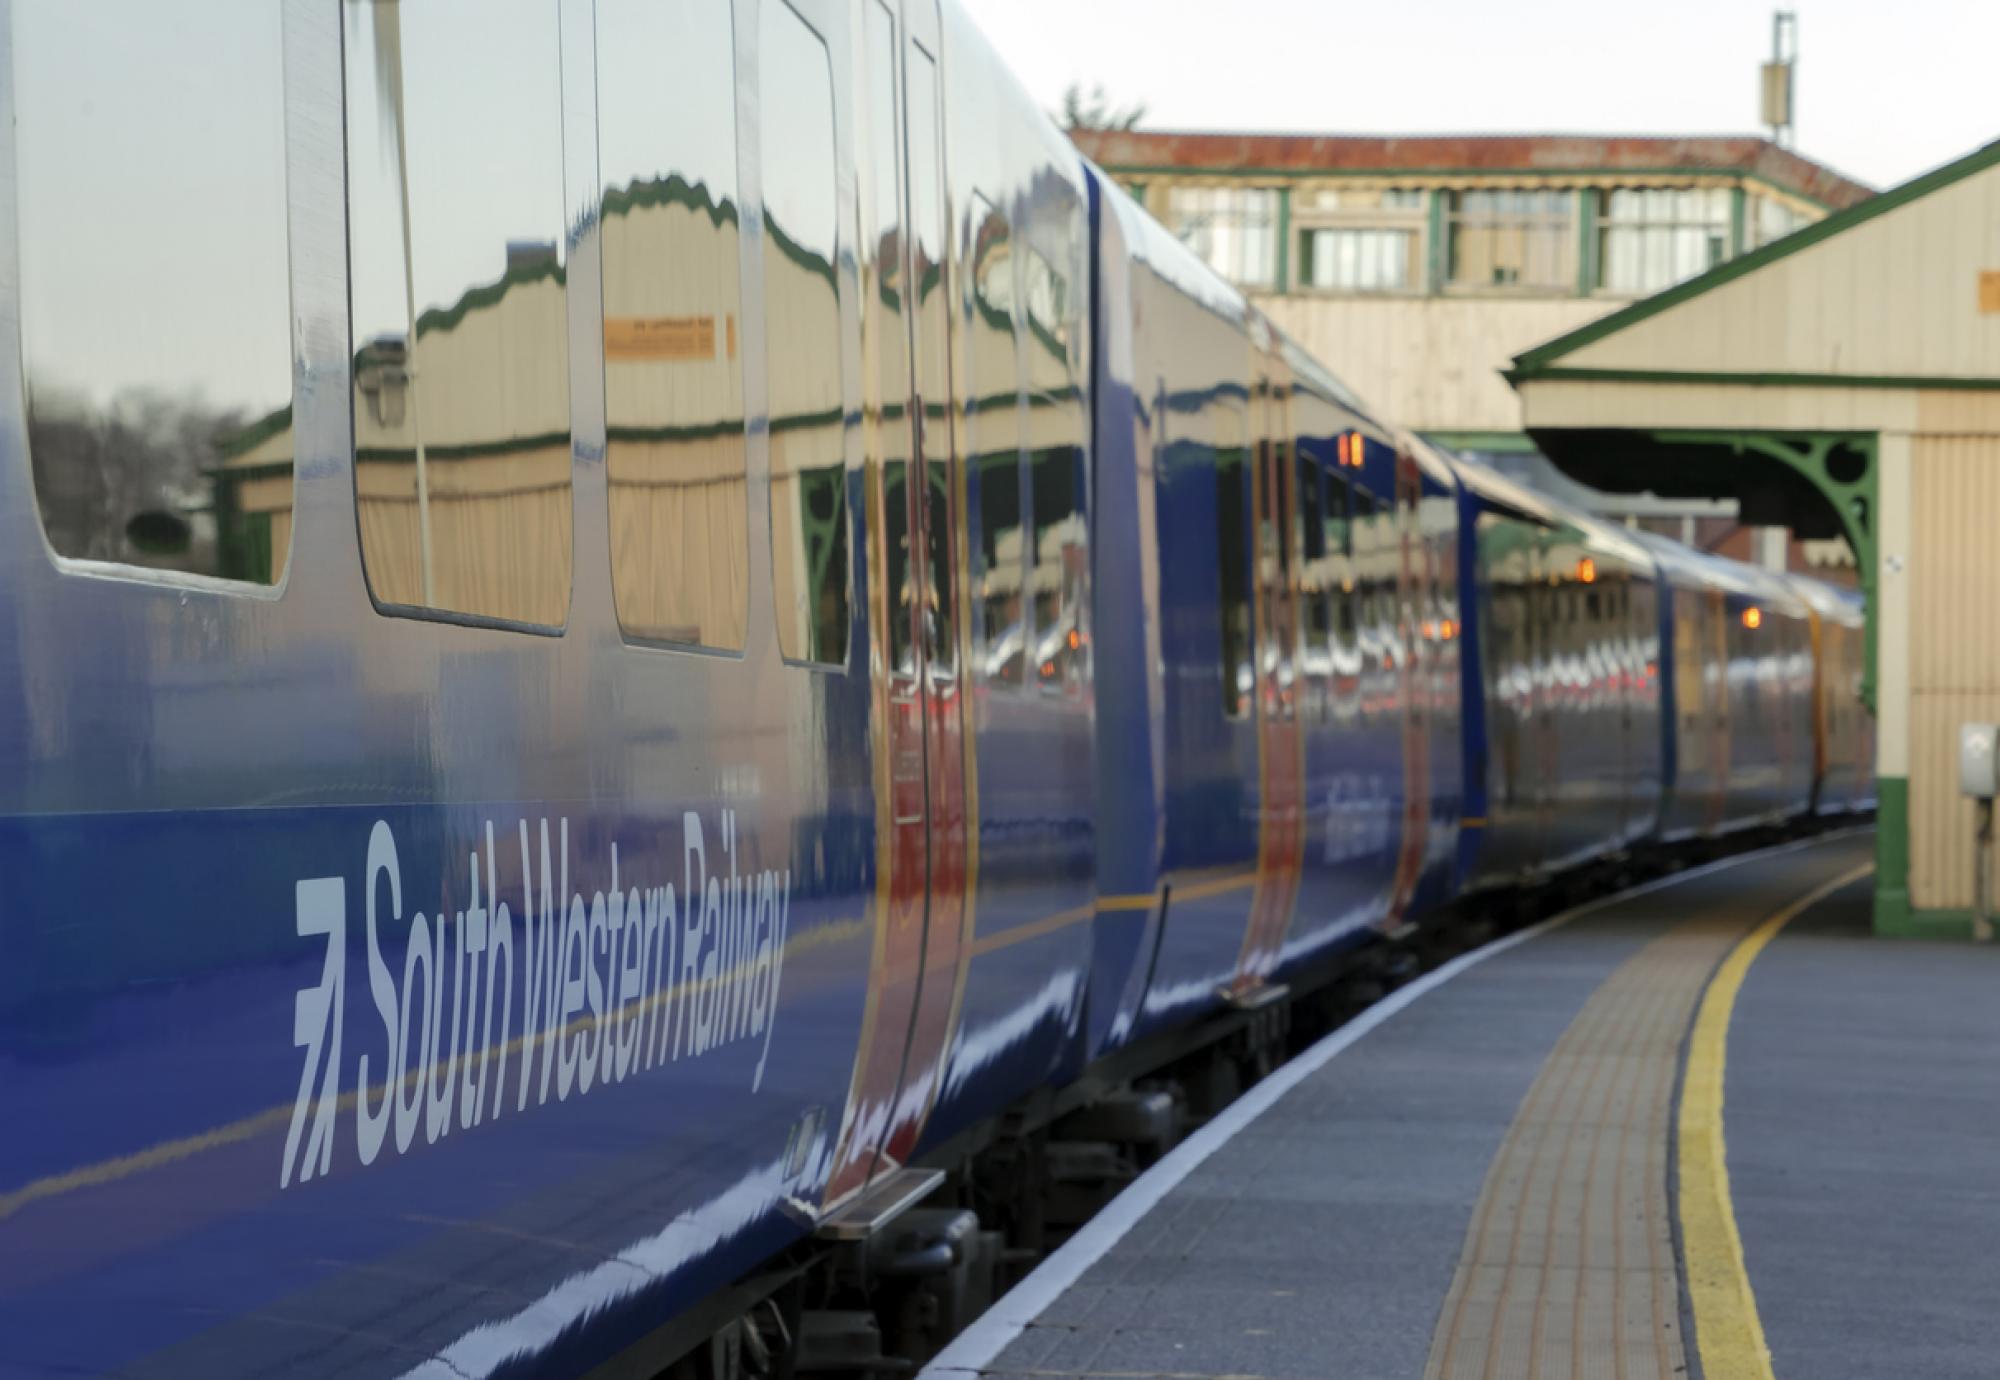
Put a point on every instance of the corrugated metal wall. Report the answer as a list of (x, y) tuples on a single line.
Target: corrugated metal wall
[(1954, 649)]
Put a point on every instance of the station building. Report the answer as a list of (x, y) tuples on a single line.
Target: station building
[(1418, 267)]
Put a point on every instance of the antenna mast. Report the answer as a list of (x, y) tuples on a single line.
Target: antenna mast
[(1777, 75)]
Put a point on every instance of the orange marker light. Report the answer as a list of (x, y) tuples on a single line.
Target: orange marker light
[(1586, 571), (1753, 617), (1075, 640)]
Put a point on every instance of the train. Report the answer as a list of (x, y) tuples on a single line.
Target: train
[(546, 488)]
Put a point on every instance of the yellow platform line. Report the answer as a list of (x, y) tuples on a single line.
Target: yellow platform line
[(1726, 1327)]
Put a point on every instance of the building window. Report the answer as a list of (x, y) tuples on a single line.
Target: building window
[(673, 382), (1653, 237), (803, 342), (1773, 220), (456, 238), (1361, 239), (1513, 237), (1233, 229), (155, 285), (1358, 260)]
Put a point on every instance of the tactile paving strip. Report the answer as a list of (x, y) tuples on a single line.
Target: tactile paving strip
[(1568, 1269)]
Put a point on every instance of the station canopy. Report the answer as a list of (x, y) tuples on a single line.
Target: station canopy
[(1842, 381), (1772, 378)]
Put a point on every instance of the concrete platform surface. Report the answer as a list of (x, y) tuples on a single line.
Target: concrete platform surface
[(1482, 1183)]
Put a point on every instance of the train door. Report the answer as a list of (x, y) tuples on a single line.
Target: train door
[(1413, 604), (1280, 749), (914, 498), (1537, 654), (1691, 784), (1623, 640), (1820, 641)]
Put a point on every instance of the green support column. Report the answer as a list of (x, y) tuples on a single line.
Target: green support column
[(1284, 239), (1586, 241), (1435, 259), (1892, 858), (1736, 238)]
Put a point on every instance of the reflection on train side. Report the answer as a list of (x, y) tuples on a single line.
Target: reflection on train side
[(673, 377), (1059, 574), (456, 241), (1358, 814), (157, 352), (993, 451)]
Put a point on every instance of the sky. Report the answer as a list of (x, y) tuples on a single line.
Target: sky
[(1884, 90)]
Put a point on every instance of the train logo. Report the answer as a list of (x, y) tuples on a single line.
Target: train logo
[(608, 986)]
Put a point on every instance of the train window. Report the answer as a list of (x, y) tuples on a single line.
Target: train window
[(456, 251), (673, 382), (803, 340), (995, 427), (155, 283), (1232, 527), (1058, 568)]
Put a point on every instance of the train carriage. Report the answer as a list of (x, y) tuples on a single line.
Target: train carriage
[(1843, 730), (1563, 739), (1737, 664), (617, 659)]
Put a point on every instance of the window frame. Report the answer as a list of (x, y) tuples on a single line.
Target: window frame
[(1235, 215), (1559, 225), (1395, 209), (1605, 222)]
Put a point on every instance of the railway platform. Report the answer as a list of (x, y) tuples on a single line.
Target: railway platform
[(1710, 1127)]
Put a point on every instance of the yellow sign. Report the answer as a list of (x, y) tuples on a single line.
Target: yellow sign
[(659, 337), (1989, 291)]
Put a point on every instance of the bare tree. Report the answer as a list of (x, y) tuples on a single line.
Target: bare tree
[(1095, 111), (98, 468)]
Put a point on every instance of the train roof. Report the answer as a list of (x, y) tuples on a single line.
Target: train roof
[(1154, 245), (1307, 366), (1833, 602), (1498, 491), (1150, 242), (1694, 569)]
